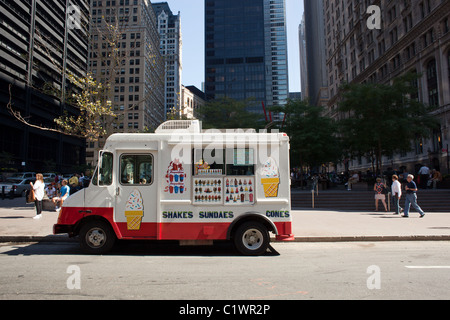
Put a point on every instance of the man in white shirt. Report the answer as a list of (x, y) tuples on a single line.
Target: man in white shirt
[(424, 170), (396, 194), (424, 175), (353, 179)]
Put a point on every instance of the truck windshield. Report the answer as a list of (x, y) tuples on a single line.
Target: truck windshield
[(103, 173)]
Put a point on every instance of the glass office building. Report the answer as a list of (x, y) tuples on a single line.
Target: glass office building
[(246, 51), (37, 41)]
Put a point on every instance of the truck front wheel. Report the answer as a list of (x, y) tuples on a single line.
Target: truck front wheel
[(251, 239), (96, 237)]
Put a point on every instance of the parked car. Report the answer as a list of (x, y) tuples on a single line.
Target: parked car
[(23, 175), (16, 186), (67, 176), (49, 175)]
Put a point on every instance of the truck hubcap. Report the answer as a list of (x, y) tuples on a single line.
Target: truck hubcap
[(253, 239), (95, 237)]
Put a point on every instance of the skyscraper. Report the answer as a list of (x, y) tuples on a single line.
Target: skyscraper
[(125, 54), (413, 36), (38, 46), (303, 60), (169, 28), (314, 52), (246, 51)]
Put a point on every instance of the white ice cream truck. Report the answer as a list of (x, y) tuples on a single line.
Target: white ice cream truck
[(185, 184)]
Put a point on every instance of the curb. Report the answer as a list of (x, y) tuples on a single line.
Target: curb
[(370, 238), (66, 239), (26, 239)]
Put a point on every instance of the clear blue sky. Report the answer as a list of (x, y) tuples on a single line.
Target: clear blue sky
[(192, 28)]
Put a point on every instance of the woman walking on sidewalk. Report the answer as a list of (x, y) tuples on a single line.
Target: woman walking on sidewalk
[(379, 195), (411, 198), (38, 189)]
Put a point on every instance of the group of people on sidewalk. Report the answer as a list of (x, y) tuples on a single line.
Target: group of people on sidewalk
[(38, 190), (396, 190)]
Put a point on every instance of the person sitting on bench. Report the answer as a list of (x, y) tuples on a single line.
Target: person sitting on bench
[(64, 194)]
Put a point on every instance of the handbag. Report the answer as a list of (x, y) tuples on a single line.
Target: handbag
[(384, 190), (31, 197)]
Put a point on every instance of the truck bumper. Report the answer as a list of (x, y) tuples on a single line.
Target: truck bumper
[(61, 228), (285, 237)]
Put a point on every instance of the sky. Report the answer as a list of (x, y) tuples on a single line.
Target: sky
[(193, 35)]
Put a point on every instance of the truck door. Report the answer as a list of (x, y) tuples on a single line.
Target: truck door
[(136, 195)]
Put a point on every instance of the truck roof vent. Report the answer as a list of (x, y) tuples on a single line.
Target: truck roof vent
[(192, 126)]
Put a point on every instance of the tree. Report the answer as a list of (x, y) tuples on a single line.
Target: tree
[(313, 136), (94, 108), (91, 98), (228, 113), (381, 119)]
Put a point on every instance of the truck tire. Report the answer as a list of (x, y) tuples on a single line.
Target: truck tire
[(96, 237), (251, 239)]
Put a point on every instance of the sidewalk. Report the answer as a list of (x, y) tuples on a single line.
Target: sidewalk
[(326, 226), (17, 225)]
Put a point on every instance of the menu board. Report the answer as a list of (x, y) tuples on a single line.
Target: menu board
[(239, 190), (208, 190)]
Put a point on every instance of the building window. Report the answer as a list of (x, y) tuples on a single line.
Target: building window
[(446, 26), (418, 145), (448, 67), (437, 140), (432, 81)]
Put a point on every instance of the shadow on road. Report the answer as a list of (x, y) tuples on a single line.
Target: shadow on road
[(131, 248)]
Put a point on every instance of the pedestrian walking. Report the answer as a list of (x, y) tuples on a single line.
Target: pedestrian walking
[(411, 198), (396, 190), (38, 188), (379, 189)]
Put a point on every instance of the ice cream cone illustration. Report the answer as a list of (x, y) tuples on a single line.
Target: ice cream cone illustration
[(270, 178), (134, 210)]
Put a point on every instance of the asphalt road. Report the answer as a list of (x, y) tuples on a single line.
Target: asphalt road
[(298, 271)]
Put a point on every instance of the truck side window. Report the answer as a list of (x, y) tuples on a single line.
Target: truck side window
[(136, 169)]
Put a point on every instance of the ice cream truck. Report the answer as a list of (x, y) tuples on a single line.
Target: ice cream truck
[(185, 184)]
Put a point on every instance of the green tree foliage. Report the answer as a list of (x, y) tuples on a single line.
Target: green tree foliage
[(228, 113), (313, 136), (94, 109), (381, 119)]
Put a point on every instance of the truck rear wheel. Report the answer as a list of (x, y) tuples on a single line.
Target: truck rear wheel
[(251, 239), (96, 237)]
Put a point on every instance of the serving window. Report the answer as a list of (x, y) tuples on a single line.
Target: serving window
[(209, 162), (240, 162), (219, 162), (223, 176)]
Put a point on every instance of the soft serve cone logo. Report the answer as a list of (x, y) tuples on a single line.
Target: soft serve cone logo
[(270, 178), (134, 210)]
